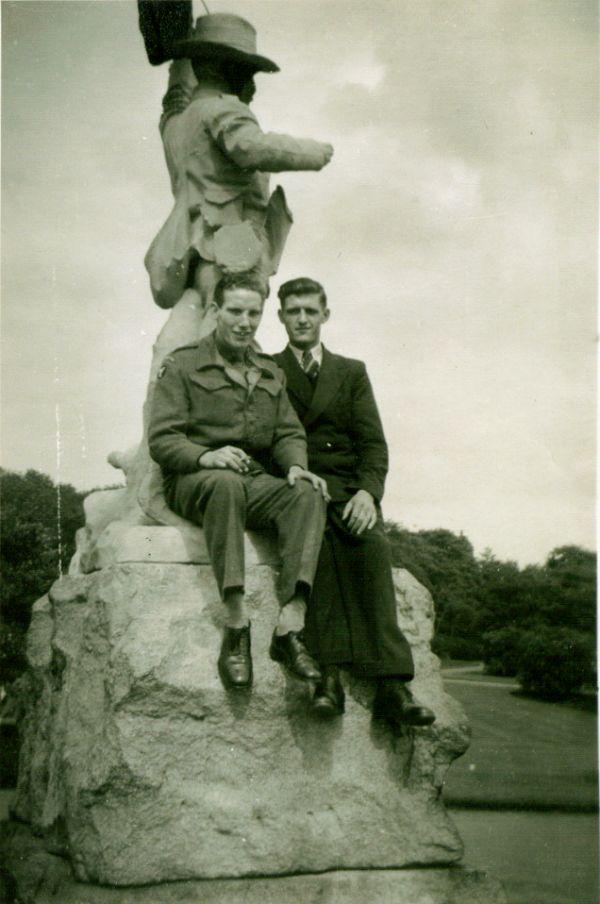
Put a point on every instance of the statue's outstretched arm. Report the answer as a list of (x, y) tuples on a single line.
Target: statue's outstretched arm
[(238, 134)]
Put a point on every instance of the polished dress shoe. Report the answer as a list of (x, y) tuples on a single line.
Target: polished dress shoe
[(235, 661), (328, 700), (289, 650), (395, 703)]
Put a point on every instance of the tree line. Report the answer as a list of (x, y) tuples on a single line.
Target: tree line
[(37, 530), (536, 622)]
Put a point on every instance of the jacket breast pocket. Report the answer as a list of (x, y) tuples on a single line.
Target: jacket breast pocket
[(265, 401), (213, 399)]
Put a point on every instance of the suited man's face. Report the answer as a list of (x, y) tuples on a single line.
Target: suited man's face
[(302, 317)]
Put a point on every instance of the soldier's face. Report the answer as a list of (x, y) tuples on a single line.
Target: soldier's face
[(238, 318), (302, 317)]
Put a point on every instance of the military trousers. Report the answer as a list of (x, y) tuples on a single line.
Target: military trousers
[(225, 503)]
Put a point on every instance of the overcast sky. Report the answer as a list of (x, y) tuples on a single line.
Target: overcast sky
[(455, 232)]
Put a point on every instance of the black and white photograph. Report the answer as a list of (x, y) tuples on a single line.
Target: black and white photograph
[(298, 384)]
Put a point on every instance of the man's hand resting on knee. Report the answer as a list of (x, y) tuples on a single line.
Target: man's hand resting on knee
[(360, 512), (226, 457), (297, 473)]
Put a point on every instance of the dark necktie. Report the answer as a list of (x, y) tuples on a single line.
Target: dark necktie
[(310, 365)]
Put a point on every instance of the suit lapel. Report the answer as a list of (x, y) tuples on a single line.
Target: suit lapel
[(331, 377), (297, 382)]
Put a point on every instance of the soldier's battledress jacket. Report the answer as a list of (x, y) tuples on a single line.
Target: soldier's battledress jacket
[(219, 159), (201, 403)]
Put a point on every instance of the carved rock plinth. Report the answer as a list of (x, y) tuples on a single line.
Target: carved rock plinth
[(143, 769), (38, 877)]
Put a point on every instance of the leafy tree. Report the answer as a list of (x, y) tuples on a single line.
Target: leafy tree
[(39, 521), (445, 563), (12, 652), (571, 600), (555, 662), (484, 606), (501, 651), (541, 618), (509, 596)]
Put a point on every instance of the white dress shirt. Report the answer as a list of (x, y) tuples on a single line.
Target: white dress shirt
[(316, 352)]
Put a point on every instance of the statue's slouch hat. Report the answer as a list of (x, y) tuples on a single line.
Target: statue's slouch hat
[(224, 36)]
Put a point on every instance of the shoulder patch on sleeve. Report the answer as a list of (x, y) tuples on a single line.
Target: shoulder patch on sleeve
[(164, 367)]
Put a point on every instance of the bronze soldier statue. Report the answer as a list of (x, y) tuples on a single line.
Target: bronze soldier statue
[(224, 218)]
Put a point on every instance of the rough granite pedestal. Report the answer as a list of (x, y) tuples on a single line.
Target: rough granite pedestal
[(141, 769)]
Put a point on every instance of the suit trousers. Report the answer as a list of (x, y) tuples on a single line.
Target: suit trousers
[(351, 618), (225, 503)]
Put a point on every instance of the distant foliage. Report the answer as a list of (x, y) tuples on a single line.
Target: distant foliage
[(39, 521), (555, 662), (501, 651), (445, 563), (12, 652), (493, 610)]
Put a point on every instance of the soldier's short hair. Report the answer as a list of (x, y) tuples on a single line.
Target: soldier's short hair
[(238, 281), (302, 285)]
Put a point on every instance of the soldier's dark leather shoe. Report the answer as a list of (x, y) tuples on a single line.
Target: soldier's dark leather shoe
[(289, 650), (235, 660), (329, 700), (395, 703)]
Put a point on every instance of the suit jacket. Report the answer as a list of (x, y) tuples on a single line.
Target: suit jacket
[(346, 444)]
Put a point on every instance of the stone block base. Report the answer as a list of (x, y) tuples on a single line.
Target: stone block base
[(120, 543), (33, 876)]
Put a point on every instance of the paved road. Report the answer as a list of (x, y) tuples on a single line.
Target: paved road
[(475, 667), (455, 675), (507, 685)]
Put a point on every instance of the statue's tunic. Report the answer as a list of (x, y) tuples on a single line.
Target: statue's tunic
[(219, 160)]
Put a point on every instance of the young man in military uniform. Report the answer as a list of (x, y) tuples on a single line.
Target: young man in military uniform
[(352, 613), (220, 415)]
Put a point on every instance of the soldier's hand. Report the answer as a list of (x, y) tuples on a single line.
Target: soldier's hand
[(226, 457), (297, 473), (360, 512)]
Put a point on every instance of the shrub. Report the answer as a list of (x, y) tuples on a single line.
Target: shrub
[(555, 662), (447, 647), (12, 652), (502, 650)]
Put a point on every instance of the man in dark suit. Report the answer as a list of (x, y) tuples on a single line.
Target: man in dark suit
[(351, 620)]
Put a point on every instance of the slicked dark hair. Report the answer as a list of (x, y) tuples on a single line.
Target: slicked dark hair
[(238, 281), (302, 285)]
